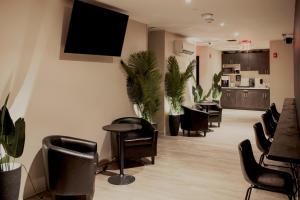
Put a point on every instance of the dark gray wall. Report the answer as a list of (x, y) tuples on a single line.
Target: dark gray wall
[(297, 57)]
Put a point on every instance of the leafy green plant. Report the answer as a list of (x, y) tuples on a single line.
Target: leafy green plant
[(198, 92), (12, 138), (175, 82), (216, 87), (199, 95), (143, 82)]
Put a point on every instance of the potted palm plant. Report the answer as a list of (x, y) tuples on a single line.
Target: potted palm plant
[(143, 82), (12, 139), (216, 87), (175, 82)]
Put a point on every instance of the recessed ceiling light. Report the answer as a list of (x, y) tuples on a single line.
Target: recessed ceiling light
[(236, 34), (188, 1), (222, 24), (208, 17)]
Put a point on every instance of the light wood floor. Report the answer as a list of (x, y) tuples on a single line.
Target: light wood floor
[(193, 168)]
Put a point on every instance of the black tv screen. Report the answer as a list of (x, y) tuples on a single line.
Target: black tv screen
[(95, 30)]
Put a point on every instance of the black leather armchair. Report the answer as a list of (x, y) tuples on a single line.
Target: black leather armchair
[(70, 166), (137, 144), (263, 178), (215, 114), (194, 120)]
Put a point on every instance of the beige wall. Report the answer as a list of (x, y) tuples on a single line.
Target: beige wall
[(282, 72), (58, 94), (162, 44), (156, 44), (210, 63)]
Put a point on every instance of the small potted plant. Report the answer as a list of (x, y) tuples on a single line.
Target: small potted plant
[(175, 82), (216, 87), (12, 139)]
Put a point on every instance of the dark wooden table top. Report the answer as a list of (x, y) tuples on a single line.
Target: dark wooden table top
[(122, 128), (286, 143)]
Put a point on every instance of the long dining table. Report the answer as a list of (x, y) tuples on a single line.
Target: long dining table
[(285, 146)]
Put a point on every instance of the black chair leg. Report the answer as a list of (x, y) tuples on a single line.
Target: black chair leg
[(210, 124), (189, 133), (248, 193), (204, 133), (152, 160), (219, 124)]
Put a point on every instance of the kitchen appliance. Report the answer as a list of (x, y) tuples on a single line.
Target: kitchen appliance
[(225, 80), (231, 68), (251, 82), (259, 83)]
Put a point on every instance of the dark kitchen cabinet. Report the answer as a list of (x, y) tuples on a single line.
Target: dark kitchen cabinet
[(262, 99), (248, 99), (230, 58), (244, 61), (264, 62), (228, 99), (258, 60)]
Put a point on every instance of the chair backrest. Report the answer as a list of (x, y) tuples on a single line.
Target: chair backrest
[(147, 128), (269, 127), (273, 121), (193, 120), (248, 163), (274, 111), (261, 141)]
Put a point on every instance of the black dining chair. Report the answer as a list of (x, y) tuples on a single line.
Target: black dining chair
[(262, 143), (261, 177), (274, 111), (269, 124)]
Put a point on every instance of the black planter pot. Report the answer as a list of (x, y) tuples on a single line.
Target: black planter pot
[(174, 122), (10, 184)]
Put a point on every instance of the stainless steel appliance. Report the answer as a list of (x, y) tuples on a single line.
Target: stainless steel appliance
[(225, 81), (231, 68), (251, 82)]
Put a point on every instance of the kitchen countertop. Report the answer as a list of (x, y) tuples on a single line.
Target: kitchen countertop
[(246, 88)]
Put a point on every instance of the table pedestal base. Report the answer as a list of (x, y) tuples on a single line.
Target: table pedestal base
[(121, 179)]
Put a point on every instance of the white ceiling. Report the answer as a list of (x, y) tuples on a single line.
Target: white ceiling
[(257, 20)]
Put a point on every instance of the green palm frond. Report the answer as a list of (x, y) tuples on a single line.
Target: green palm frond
[(216, 87), (175, 82), (143, 82)]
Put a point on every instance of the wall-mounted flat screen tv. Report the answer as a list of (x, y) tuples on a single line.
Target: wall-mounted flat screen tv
[(95, 30)]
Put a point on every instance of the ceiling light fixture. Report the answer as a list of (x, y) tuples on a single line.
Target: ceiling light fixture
[(188, 1), (208, 17), (236, 34), (222, 24)]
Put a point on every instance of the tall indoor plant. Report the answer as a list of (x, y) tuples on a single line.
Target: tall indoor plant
[(175, 82), (12, 139), (143, 82)]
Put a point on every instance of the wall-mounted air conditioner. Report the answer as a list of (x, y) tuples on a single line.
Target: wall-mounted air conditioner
[(183, 47)]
